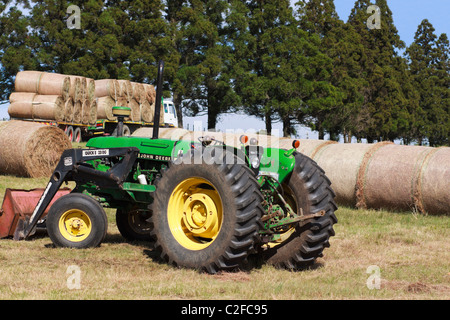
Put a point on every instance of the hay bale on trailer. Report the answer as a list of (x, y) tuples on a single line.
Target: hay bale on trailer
[(29, 149), (104, 108), (107, 88), (48, 107), (43, 83)]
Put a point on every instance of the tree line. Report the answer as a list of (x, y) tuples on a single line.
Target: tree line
[(297, 64)]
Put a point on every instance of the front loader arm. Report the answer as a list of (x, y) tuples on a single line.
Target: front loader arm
[(73, 167)]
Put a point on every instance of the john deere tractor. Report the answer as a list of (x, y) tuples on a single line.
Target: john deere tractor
[(204, 204)]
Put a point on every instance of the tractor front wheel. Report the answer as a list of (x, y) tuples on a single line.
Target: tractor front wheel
[(76, 221)]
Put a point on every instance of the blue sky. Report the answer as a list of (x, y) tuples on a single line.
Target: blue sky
[(407, 16)]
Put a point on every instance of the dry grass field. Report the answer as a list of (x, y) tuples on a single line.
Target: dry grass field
[(374, 255)]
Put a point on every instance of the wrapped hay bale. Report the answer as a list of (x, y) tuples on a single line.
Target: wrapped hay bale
[(107, 88), (104, 108), (138, 92), (68, 110), (126, 89), (77, 111), (150, 92), (48, 107), (21, 105), (85, 111), (30, 149), (75, 88), (43, 83), (433, 185), (93, 113), (90, 89), (135, 110), (147, 111)]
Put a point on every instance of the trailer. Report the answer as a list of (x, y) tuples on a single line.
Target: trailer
[(78, 132)]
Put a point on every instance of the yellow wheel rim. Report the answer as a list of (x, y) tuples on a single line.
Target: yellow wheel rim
[(75, 225), (195, 213)]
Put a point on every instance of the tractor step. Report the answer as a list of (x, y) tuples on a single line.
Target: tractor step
[(18, 206)]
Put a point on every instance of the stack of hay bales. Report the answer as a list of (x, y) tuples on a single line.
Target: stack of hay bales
[(53, 96), (78, 100)]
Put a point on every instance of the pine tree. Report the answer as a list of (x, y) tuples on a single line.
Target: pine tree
[(429, 68)]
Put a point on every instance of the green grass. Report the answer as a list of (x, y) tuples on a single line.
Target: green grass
[(411, 251)]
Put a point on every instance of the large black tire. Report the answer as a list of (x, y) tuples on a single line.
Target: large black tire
[(133, 225), (232, 199), (308, 188), (76, 221)]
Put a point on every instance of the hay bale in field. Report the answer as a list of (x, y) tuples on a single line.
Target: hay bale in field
[(68, 110), (107, 88), (29, 149), (43, 83), (433, 184), (48, 107), (104, 108)]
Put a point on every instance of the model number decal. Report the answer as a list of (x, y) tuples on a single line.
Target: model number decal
[(95, 152)]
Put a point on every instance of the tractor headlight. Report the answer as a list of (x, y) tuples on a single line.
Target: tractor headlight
[(254, 161)]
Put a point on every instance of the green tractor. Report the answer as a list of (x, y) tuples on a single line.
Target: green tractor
[(204, 204)]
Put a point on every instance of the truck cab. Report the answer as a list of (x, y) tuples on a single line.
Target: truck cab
[(170, 114)]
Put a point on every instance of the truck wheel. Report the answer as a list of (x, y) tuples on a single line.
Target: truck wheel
[(77, 135), (206, 216), (133, 225), (307, 188), (69, 133), (76, 221)]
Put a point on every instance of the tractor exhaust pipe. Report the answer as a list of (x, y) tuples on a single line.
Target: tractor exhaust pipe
[(158, 100)]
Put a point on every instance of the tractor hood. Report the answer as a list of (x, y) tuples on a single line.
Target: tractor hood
[(152, 149)]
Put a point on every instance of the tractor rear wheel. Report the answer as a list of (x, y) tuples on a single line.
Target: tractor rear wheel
[(306, 190), (76, 221), (206, 216)]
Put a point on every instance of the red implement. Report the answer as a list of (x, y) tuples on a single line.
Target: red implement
[(18, 206)]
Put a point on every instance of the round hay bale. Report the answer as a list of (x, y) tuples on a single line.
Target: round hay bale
[(77, 111), (107, 88), (126, 89), (90, 89), (135, 110), (93, 113), (104, 108), (341, 163), (147, 111), (75, 88), (48, 107), (29, 149), (83, 87), (27, 81), (68, 110), (150, 92), (138, 92), (21, 105), (85, 111), (54, 84), (432, 194)]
